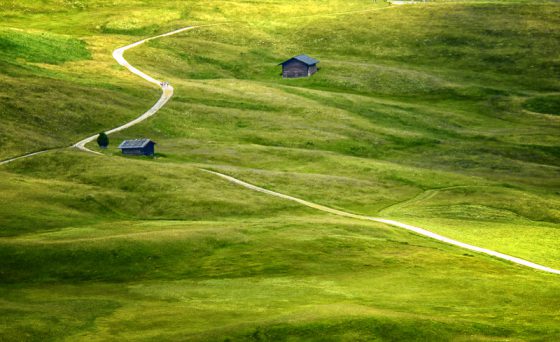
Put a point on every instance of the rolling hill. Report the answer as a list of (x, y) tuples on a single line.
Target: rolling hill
[(443, 115)]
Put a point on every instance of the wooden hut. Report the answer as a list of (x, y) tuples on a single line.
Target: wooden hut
[(137, 147), (299, 66)]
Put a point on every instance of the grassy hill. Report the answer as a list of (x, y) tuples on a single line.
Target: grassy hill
[(443, 115)]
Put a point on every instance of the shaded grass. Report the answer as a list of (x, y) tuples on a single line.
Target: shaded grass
[(269, 279), (544, 104)]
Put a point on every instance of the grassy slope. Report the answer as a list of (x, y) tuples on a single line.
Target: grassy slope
[(52, 98), (378, 134), (424, 120)]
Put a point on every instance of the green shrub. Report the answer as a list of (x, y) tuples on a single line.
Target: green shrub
[(103, 140)]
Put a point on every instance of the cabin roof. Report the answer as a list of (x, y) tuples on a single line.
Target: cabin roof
[(135, 143), (302, 58)]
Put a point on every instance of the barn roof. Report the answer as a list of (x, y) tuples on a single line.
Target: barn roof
[(304, 59), (135, 143)]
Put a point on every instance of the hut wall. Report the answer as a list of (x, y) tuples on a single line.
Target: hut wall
[(148, 150), (133, 151), (312, 69), (294, 68)]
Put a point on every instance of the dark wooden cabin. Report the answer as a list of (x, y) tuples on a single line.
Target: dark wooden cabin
[(137, 147), (299, 66)]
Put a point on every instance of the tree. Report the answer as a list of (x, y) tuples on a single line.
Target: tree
[(103, 140)]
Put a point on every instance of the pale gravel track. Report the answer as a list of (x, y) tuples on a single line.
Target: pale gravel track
[(23, 156), (393, 223), (167, 93), (166, 90)]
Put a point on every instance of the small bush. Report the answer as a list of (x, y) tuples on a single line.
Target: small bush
[(103, 140)]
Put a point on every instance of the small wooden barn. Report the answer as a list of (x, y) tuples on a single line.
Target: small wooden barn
[(137, 147), (299, 66)]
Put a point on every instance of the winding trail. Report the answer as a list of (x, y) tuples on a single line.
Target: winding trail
[(393, 223), (166, 89), (25, 156), (167, 93)]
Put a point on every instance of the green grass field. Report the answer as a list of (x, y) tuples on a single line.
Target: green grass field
[(444, 115)]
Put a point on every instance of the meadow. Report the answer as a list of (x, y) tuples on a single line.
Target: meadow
[(444, 115)]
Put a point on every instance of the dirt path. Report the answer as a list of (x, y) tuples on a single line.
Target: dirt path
[(23, 156), (166, 89), (414, 229)]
